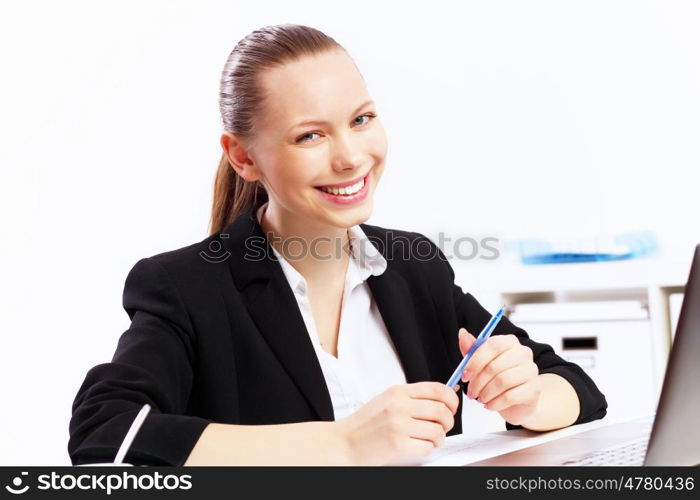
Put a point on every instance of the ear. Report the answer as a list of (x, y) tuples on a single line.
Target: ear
[(235, 148)]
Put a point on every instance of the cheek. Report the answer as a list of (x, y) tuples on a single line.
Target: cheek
[(296, 167), (377, 143)]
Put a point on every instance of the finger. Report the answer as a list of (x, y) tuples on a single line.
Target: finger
[(435, 391), (417, 448), (433, 411), (506, 380), (492, 347), (466, 340), (429, 431), (524, 394), (502, 362)]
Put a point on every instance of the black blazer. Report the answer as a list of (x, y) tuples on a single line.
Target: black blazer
[(216, 336)]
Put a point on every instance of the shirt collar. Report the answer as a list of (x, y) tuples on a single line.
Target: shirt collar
[(365, 254), (366, 259)]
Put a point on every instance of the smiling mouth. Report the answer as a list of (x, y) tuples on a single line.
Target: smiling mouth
[(346, 188)]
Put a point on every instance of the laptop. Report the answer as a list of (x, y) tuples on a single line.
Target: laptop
[(672, 437)]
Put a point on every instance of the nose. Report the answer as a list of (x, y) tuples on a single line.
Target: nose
[(347, 155)]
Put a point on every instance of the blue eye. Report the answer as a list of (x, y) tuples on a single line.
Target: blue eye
[(369, 116), (301, 139)]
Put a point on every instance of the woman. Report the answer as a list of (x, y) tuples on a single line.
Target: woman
[(296, 333)]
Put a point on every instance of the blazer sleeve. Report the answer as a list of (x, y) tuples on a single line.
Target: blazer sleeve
[(152, 364), (473, 316)]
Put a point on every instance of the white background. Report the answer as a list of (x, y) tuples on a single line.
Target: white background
[(509, 118)]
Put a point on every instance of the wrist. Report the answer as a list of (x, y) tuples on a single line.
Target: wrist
[(338, 449), (557, 405)]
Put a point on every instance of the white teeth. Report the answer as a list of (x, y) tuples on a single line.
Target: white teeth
[(347, 190)]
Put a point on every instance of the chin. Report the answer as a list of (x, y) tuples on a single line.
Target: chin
[(356, 216)]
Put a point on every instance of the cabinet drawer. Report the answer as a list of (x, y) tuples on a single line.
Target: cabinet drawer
[(617, 355)]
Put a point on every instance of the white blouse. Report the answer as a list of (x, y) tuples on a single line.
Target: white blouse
[(367, 362)]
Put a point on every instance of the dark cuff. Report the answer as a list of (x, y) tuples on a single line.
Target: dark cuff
[(163, 439)]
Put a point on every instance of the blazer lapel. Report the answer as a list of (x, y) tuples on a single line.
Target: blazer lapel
[(395, 302), (273, 308)]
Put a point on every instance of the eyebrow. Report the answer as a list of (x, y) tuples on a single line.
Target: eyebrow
[(322, 122)]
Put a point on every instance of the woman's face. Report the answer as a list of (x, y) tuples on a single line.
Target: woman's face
[(318, 128)]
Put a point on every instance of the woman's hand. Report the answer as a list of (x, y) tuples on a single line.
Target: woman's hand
[(408, 420), (502, 376)]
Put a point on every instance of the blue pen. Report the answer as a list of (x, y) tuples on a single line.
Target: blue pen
[(485, 334)]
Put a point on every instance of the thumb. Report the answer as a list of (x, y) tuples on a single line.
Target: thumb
[(466, 340)]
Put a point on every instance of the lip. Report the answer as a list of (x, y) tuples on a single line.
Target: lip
[(343, 184), (348, 200)]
